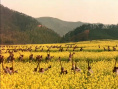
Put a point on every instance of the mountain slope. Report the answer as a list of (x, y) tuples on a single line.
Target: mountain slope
[(59, 26), (18, 28), (92, 32)]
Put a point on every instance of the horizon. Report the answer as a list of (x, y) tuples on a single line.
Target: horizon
[(90, 11)]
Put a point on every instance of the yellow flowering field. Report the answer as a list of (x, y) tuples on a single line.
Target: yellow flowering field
[(102, 64)]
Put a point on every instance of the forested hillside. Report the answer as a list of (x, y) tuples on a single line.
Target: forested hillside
[(92, 32), (18, 28)]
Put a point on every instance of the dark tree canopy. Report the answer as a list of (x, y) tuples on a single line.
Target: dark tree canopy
[(92, 32)]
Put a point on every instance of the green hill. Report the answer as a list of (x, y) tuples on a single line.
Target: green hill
[(18, 28), (92, 32), (59, 26)]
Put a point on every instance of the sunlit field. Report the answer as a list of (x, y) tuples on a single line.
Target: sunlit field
[(101, 61)]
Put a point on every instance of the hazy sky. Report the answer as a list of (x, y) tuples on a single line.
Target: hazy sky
[(93, 11)]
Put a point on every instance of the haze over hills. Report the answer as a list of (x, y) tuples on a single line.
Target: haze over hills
[(59, 26), (18, 28), (78, 31)]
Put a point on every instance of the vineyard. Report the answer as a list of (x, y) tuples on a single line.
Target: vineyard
[(77, 65)]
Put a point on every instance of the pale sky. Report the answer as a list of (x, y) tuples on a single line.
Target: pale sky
[(92, 11)]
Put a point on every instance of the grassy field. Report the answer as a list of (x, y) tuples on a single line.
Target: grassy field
[(102, 63)]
